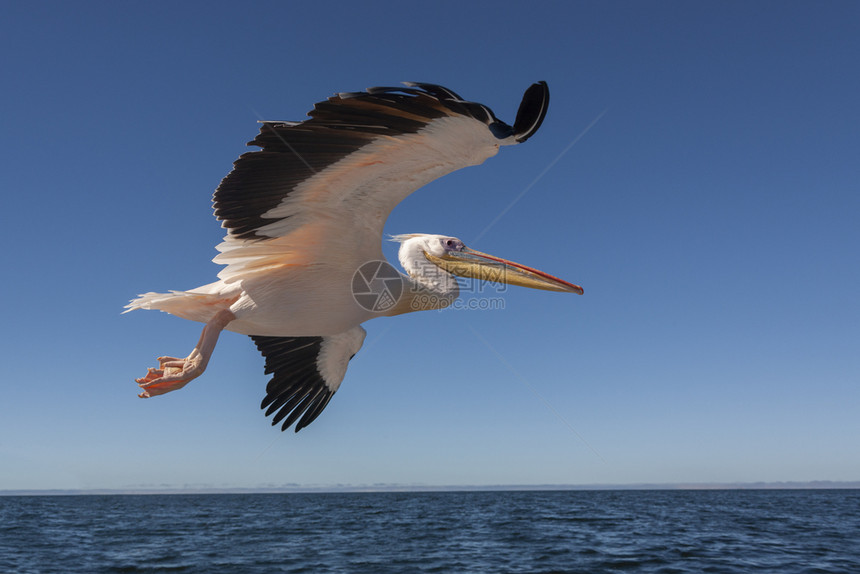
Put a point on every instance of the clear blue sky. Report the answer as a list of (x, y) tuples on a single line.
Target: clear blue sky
[(711, 214)]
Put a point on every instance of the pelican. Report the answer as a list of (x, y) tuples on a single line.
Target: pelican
[(303, 249)]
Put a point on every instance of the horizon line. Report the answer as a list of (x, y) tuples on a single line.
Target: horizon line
[(383, 487)]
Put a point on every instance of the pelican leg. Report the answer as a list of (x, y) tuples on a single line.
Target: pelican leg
[(174, 373)]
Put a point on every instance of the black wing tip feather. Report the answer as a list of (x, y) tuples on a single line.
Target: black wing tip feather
[(296, 393), (530, 114), (448, 99), (532, 111)]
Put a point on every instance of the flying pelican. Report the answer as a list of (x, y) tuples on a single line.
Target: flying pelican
[(304, 217)]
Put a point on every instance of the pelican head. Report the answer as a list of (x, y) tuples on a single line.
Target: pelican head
[(453, 257)]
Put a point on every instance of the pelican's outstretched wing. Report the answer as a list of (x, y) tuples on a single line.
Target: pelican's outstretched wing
[(315, 184), (306, 373)]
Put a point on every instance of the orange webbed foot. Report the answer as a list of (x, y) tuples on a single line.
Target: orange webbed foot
[(172, 374)]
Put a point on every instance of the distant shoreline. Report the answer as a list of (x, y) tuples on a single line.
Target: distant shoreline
[(344, 488)]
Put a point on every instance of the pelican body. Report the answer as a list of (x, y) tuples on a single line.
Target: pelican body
[(305, 213)]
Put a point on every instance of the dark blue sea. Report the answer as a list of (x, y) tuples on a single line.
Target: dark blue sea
[(626, 531)]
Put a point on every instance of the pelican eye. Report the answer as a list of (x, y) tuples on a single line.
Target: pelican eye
[(453, 245)]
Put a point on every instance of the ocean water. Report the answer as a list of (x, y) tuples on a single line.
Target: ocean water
[(726, 531)]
